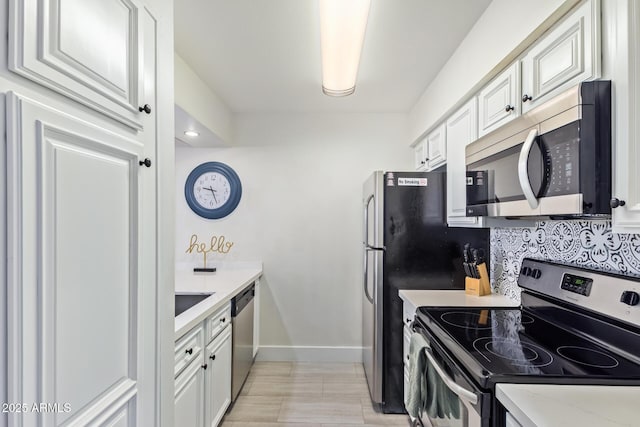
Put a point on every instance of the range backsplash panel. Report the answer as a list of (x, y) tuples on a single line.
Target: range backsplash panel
[(585, 243)]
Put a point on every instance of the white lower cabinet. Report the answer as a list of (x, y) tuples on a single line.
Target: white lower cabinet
[(217, 381), (188, 396), (203, 387), (409, 312)]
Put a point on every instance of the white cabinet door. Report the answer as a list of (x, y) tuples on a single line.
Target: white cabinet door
[(462, 129), (499, 101), (188, 396), (75, 278), (622, 56), (420, 155), (436, 148), (217, 394), (564, 57), (88, 50)]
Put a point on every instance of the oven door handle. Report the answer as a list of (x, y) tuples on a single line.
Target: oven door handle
[(523, 174), (461, 392)]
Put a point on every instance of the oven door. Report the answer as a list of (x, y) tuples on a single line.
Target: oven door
[(462, 404)]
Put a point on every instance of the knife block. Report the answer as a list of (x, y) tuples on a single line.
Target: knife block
[(478, 287)]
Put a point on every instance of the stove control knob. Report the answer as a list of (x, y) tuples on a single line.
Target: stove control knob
[(535, 273), (526, 271), (630, 298)]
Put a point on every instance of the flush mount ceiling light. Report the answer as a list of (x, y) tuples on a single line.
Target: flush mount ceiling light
[(191, 133), (342, 27)]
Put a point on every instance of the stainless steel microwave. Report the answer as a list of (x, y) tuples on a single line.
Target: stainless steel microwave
[(552, 162)]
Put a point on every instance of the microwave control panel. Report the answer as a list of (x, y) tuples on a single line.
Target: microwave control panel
[(561, 159)]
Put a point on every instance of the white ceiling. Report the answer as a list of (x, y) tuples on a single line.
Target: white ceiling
[(264, 55)]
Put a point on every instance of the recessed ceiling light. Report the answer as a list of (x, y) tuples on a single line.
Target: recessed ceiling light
[(191, 133)]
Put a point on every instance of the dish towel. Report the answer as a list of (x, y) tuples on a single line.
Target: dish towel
[(417, 393), (441, 402)]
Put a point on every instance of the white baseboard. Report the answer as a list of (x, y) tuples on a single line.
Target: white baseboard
[(281, 353)]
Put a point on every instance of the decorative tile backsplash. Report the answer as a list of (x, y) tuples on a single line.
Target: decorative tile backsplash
[(585, 243)]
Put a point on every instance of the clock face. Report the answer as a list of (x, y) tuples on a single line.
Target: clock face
[(213, 190)]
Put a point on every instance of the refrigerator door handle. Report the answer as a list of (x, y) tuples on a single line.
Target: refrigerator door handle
[(365, 238), (366, 275), (367, 248)]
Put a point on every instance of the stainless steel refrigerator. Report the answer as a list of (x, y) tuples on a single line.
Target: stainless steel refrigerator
[(406, 245)]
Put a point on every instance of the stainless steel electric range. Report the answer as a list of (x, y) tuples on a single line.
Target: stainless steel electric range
[(574, 326)]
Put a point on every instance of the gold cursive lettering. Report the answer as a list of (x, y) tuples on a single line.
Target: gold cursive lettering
[(216, 244)]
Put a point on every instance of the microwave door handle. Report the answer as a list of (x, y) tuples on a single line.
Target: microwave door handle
[(459, 391), (523, 173)]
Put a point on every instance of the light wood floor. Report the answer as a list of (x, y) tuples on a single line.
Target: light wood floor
[(285, 394)]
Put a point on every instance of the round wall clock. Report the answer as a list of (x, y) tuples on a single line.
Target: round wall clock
[(213, 190)]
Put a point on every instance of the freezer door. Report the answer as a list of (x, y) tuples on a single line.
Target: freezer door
[(372, 284)]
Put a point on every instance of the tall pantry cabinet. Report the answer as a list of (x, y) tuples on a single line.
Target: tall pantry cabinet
[(86, 113)]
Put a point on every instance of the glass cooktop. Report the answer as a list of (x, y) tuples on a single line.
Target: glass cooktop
[(505, 345)]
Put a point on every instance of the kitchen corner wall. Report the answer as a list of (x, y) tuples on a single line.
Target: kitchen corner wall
[(300, 213), (589, 244)]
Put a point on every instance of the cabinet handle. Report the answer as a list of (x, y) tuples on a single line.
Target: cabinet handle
[(615, 202), (204, 366), (189, 351), (407, 357), (422, 162), (146, 162), (224, 319), (146, 108), (526, 98), (212, 357), (509, 108), (408, 320)]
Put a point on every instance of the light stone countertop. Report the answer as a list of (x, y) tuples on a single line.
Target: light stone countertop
[(542, 405), (454, 298), (226, 283)]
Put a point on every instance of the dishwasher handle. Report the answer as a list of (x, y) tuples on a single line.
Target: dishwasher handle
[(240, 301)]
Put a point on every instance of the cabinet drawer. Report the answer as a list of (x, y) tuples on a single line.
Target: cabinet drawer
[(188, 348), (217, 321)]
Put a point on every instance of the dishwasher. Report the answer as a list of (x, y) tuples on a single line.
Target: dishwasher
[(242, 338)]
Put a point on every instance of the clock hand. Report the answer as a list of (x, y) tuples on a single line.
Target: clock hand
[(213, 192)]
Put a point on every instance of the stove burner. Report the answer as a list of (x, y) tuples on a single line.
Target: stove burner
[(587, 356), (516, 352), (470, 320)]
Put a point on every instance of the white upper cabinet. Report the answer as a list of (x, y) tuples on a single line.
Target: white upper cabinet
[(499, 100), (420, 156), (564, 57), (88, 50), (436, 147), (621, 54), (462, 129), (431, 152)]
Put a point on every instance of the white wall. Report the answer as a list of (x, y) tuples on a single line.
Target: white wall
[(300, 213), (504, 29), (197, 99)]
